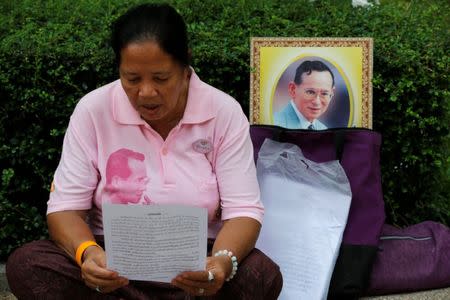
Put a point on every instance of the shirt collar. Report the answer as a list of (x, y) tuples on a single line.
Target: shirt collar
[(199, 107)]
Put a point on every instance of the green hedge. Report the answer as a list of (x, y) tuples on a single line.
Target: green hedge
[(53, 52)]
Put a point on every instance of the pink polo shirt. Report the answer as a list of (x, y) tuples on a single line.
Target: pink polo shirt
[(111, 154)]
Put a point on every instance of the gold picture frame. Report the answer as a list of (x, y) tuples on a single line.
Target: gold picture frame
[(274, 62)]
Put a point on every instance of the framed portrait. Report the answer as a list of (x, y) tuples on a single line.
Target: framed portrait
[(317, 82)]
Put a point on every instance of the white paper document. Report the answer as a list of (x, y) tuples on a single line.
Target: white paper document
[(306, 209), (154, 242)]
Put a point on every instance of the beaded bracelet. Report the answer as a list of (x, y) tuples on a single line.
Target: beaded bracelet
[(234, 263)]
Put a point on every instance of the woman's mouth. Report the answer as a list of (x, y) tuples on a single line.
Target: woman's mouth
[(150, 111), (151, 107)]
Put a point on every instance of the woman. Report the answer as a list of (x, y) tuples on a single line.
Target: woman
[(159, 135)]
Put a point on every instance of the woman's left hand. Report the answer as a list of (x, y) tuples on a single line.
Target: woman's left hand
[(198, 283)]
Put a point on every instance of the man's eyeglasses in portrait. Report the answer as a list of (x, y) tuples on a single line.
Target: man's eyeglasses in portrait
[(312, 94)]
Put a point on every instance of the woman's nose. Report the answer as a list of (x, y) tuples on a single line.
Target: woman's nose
[(147, 90)]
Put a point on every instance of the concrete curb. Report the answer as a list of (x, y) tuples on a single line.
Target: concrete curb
[(3, 282), (5, 294)]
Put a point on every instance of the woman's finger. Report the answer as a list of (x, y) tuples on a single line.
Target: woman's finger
[(197, 282), (98, 277), (196, 289), (195, 275), (102, 288)]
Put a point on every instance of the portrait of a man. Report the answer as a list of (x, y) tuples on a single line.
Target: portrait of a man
[(126, 178), (311, 92), (311, 83)]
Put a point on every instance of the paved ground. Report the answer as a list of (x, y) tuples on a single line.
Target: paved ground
[(441, 294)]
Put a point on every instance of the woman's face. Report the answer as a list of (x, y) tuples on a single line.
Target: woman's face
[(154, 82)]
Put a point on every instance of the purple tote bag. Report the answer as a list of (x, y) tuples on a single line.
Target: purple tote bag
[(358, 151), (412, 259)]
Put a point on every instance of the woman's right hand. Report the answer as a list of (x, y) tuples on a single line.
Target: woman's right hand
[(96, 275)]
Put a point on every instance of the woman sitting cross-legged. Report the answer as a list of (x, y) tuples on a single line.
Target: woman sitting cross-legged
[(158, 135)]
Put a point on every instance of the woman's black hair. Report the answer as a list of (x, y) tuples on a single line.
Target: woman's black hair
[(152, 22)]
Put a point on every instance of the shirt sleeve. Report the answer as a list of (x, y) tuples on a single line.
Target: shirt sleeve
[(76, 176), (235, 169)]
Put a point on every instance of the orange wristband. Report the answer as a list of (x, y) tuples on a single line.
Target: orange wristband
[(80, 250)]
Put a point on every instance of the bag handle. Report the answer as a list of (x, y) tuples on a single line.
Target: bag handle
[(278, 134), (339, 140)]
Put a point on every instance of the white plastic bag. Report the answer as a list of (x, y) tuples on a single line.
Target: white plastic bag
[(306, 208)]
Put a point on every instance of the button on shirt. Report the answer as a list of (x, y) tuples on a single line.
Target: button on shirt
[(110, 154)]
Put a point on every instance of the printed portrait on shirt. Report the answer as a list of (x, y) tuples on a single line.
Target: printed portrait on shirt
[(126, 178)]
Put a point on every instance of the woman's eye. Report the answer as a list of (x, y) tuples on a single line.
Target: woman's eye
[(161, 79), (133, 80)]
